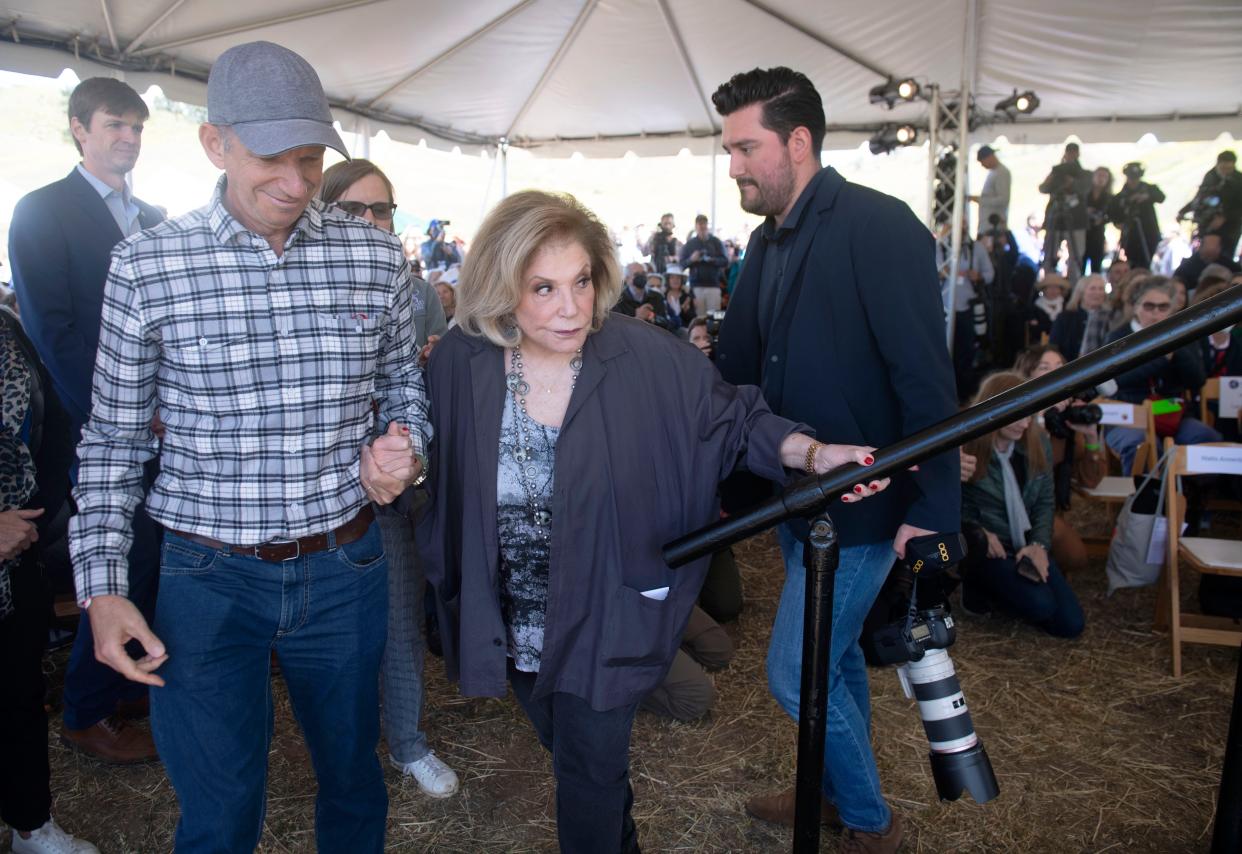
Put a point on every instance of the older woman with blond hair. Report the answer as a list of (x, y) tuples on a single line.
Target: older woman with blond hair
[(1084, 324), (571, 443)]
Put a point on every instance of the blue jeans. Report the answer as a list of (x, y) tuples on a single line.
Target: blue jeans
[(851, 780), (401, 684), (1126, 440), (220, 616), (1051, 606), (591, 762)]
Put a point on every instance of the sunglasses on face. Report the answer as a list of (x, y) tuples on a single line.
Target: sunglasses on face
[(1158, 307), (381, 210)]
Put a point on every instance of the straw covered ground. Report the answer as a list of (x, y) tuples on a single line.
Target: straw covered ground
[(1096, 746)]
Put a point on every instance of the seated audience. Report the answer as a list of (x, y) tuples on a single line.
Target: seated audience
[(1120, 307), (1222, 356), (678, 299), (1177, 375), (700, 337), (36, 449), (1076, 458), (1083, 325), (1049, 303), (1208, 252), (639, 299), (1008, 504)]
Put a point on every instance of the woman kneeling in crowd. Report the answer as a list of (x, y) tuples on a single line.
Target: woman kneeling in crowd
[(1078, 457), (1008, 502), (570, 445)]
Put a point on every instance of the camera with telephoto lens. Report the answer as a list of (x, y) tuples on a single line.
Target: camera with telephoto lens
[(918, 644), (1080, 411)]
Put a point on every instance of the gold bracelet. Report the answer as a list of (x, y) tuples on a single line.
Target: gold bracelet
[(809, 465)]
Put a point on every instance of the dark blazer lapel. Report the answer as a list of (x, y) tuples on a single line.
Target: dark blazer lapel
[(92, 204), (487, 389), (600, 347), (818, 211)]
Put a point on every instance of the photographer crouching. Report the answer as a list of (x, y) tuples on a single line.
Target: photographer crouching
[(1078, 455), (1008, 505)]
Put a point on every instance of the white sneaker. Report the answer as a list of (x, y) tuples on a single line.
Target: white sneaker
[(433, 776), (50, 839)]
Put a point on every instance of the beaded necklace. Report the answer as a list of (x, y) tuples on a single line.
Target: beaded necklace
[(524, 453)]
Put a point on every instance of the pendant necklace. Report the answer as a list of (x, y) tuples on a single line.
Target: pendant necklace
[(524, 453)]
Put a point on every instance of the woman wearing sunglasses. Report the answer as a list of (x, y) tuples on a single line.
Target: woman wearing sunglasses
[(1173, 376), (361, 189)]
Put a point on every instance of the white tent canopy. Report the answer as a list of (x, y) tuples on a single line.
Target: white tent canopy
[(607, 76)]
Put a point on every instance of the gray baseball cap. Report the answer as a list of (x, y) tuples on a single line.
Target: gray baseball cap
[(271, 98)]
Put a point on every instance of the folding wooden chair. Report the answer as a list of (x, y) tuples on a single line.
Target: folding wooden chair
[(1143, 458), (1209, 392), (1207, 555)]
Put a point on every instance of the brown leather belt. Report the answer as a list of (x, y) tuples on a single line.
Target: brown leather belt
[(290, 549)]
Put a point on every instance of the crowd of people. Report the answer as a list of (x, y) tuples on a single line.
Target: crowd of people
[(1014, 281), (272, 446)]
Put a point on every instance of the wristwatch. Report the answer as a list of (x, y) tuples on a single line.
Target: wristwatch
[(422, 473)]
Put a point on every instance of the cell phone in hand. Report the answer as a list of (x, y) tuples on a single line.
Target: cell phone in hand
[(1026, 569)]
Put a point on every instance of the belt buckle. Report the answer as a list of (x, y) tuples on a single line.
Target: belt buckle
[(294, 556)]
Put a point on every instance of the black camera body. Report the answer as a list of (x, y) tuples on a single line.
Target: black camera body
[(1080, 411), (908, 641), (1057, 421)]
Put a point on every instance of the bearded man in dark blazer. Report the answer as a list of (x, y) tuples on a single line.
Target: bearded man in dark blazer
[(837, 317), (60, 246)]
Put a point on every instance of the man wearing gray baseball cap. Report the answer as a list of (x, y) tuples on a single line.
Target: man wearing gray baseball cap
[(260, 327)]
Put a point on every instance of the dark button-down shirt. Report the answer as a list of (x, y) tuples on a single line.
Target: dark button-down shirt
[(778, 243)]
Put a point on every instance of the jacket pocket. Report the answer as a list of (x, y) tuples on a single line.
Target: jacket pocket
[(637, 629)]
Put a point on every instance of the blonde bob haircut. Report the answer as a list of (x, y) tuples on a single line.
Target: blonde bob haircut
[(492, 280)]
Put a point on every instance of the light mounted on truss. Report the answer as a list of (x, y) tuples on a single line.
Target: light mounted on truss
[(891, 137), (891, 91), (1018, 103)]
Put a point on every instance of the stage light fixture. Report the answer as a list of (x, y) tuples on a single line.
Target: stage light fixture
[(1025, 103), (891, 91), (890, 137)]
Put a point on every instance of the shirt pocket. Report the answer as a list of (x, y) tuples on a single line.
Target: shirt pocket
[(349, 345), (209, 366)]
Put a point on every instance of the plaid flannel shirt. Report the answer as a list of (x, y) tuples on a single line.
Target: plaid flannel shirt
[(263, 369)]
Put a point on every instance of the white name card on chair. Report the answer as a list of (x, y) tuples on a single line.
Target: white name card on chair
[(1117, 414), (1230, 397), (1205, 459)]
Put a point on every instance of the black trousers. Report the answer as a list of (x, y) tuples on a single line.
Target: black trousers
[(25, 782), (591, 762)]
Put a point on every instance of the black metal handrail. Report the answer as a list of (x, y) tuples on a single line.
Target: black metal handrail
[(813, 494)]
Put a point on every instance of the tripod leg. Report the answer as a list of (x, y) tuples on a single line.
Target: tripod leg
[(820, 556)]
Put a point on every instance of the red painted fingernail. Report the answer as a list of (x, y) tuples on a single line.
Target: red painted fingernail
[(845, 498), (868, 460), (875, 484), (858, 488), (405, 429)]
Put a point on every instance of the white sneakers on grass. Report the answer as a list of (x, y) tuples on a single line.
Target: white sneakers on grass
[(50, 839), (434, 777)]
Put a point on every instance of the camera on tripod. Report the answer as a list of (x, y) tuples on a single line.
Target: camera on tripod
[(1207, 208), (1080, 411), (918, 645)]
